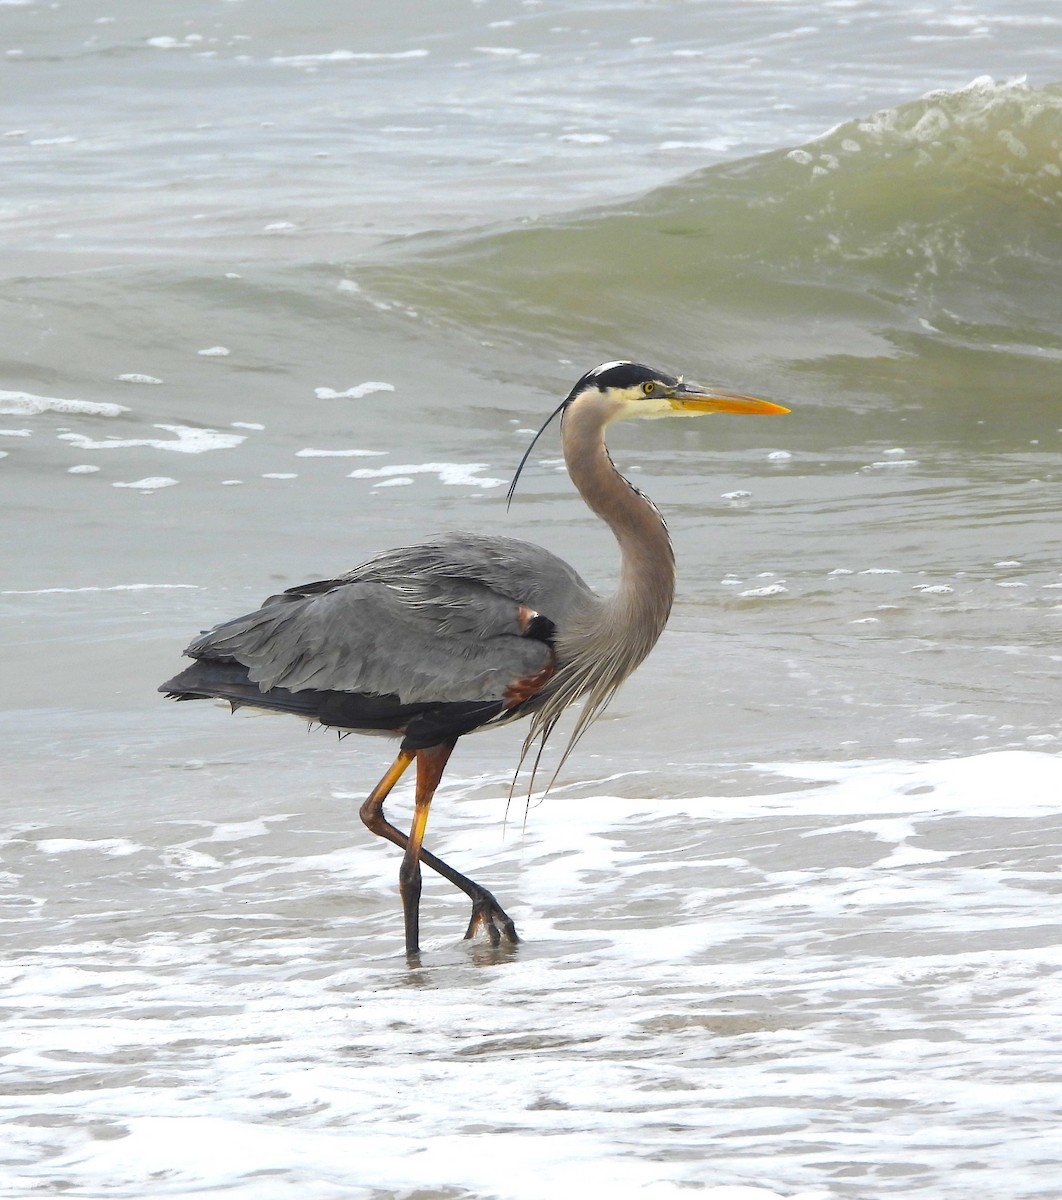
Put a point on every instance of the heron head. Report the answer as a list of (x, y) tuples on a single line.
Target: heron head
[(622, 390), (632, 389)]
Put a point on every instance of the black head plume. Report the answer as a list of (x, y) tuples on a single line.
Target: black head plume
[(608, 375), (527, 453)]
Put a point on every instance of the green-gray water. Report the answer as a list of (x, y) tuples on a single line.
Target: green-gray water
[(791, 913)]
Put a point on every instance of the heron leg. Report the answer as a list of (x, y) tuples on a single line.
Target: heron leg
[(486, 910), (430, 765)]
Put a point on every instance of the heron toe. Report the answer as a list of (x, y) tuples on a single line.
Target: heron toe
[(488, 913)]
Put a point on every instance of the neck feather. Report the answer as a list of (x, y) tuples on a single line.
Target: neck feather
[(608, 639), (637, 612)]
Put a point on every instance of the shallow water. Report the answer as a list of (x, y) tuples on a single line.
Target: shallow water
[(841, 981), (283, 289)]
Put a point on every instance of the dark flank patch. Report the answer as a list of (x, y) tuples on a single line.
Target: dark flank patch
[(541, 629), (422, 725)]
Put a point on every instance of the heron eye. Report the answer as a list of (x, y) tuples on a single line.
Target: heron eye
[(648, 388)]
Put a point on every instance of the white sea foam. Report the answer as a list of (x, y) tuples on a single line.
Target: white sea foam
[(454, 474), (150, 483), (719, 145), (344, 56), (24, 404), (111, 846), (115, 587), (770, 589), (354, 393), (214, 352), (982, 784), (192, 1152), (851, 965), (311, 453), (135, 378), (186, 440)]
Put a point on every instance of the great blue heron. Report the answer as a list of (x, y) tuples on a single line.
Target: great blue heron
[(432, 641)]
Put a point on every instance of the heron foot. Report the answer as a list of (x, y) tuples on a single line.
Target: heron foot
[(488, 913)]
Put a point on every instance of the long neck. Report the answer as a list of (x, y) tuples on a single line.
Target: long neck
[(636, 614), (605, 640)]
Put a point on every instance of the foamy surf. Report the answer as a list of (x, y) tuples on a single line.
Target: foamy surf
[(25, 404), (450, 474), (764, 995), (185, 440)]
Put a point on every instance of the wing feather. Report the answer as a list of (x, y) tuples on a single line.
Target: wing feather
[(418, 623)]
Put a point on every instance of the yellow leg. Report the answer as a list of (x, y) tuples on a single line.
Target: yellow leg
[(372, 809), (486, 911), (430, 765)]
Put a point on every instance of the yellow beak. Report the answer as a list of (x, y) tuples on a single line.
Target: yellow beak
[(692, 398)]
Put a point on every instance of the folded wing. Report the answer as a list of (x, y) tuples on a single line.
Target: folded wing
[(422, 640), (431, 641)]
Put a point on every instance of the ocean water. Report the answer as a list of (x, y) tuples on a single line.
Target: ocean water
[(283, 286)]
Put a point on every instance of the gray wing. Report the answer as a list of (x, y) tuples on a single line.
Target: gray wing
[(443, 621), (524, 572)]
